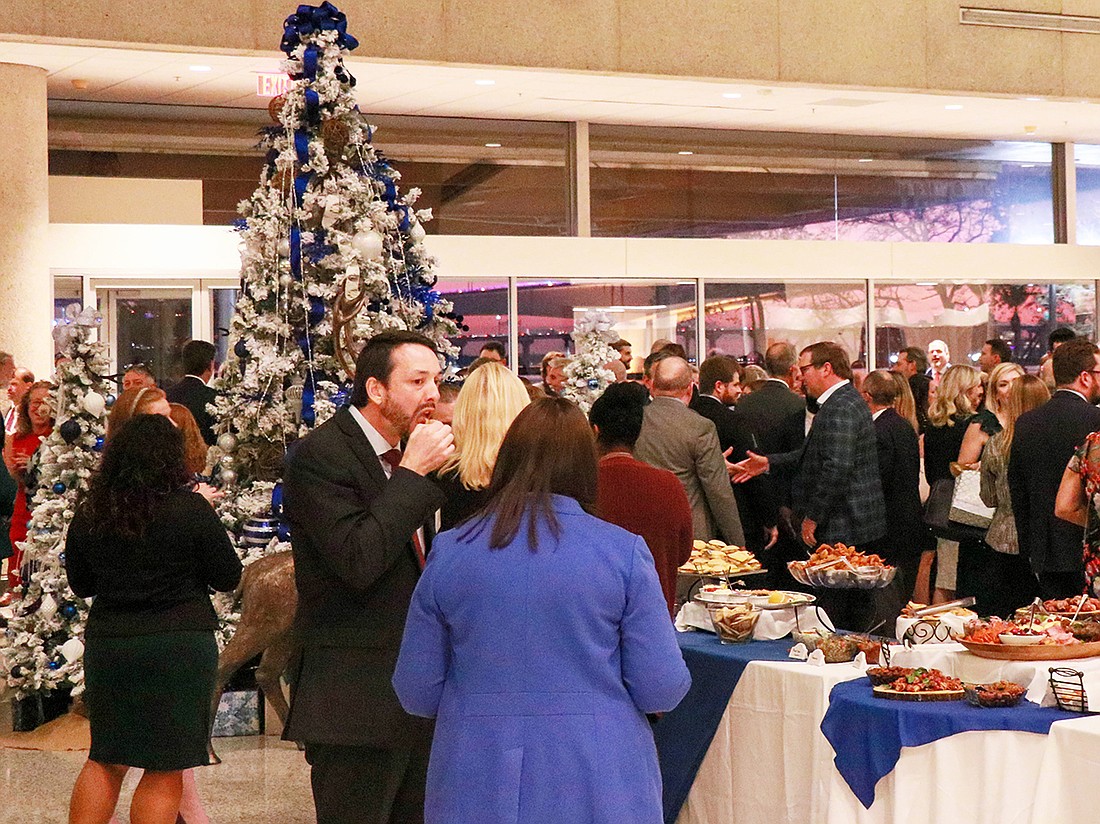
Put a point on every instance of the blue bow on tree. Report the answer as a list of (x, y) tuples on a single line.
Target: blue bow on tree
[(311, 19)]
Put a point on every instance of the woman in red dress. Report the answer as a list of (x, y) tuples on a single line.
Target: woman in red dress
[(35, 422)]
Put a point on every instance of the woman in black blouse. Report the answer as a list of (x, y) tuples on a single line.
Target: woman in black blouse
[(148, 550)]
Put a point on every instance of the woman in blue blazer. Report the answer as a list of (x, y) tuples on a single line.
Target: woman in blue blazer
[(538, 638)]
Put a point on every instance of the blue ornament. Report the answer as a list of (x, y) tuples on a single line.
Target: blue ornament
[(58, 488), (69, 611), (109, 401), (283, 531), (240, 349), (61, 557), (98, 444), (593, 383), (69, 431), (277, 500), (55, 665)]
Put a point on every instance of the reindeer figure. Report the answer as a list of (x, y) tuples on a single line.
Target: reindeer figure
[(268, 601)]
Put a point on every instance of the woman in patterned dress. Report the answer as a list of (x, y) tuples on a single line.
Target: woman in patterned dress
[(1078, 502)]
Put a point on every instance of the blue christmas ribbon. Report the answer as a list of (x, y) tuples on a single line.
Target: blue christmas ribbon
[(309, 414), (277, 500), (311, 19), (316, 311), (309, 62), (296, 252), (313, 107)]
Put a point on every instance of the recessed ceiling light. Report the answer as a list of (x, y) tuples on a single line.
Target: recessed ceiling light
[(953, 107), (492, 145), (685, 153), (866, 159), (485, 82), (1027, 165), (1033, 99), (731, 95), (1030, 129), (200, 68)]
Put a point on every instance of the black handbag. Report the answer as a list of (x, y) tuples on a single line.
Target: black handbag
[(937, 514)]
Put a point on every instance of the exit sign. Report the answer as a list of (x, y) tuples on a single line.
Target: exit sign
[(272, 85)]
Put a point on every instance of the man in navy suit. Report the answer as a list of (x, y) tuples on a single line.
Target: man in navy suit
[(1044, 441), (836, 493), (194, 391)]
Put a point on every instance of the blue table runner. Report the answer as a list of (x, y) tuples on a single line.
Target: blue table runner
[(867, 733), (684, 735)]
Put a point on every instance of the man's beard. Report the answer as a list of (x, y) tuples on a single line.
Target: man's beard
[(401, 420)]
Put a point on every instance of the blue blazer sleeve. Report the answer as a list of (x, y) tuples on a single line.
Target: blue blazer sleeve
[(654, 671), (425, 649)]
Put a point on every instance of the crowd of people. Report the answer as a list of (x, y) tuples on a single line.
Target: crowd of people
[(481, 553)]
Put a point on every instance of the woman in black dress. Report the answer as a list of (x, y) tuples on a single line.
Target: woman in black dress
[(148, 550)]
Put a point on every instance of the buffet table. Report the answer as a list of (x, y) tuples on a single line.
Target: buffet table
[(769, 761)]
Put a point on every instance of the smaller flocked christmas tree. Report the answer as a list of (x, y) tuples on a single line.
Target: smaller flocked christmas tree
[(42, 648), (587, 375)]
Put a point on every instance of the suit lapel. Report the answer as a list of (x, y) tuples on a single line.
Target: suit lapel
[(357, 439)]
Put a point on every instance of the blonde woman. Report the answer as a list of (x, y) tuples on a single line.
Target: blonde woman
[(1013, 582), (990, 420), (487, 404), (905, 404), (958, 398)]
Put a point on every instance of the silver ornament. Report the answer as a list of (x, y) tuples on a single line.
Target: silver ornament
[(227, 442), (228, 477)]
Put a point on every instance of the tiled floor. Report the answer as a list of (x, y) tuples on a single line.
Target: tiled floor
[(260, 779)]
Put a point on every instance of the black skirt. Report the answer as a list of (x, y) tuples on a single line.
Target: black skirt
[(148, 699)]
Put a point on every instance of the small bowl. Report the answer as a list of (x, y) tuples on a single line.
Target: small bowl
[(1020, 640), (733, 624)]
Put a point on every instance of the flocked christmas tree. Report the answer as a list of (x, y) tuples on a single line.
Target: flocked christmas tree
[(587, 375), (331, 254), (41, 649)]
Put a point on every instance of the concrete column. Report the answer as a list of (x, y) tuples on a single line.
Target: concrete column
[(26, 291)]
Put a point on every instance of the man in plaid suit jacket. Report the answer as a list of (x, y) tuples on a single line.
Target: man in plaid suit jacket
[(836, 493)]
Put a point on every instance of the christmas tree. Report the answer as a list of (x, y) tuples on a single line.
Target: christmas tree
[(331, 254), (587, 375), (41, 649)]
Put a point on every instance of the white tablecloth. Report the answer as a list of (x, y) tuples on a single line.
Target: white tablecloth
[(770, 764), (1066, 785)]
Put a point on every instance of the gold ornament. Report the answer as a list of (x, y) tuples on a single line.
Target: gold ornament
[(335, 134), (275, 107)]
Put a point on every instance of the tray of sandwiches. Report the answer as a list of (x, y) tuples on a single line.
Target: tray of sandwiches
[(715, 559)]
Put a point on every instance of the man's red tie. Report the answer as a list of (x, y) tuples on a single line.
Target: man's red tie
[(392, 459)]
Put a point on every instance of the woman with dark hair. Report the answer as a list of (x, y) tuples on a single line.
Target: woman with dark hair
[(148, 549), (640, 498), (538, 637)]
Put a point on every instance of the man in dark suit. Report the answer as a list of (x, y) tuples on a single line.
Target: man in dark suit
[(913, 364), (1042, 445), (360, 513), (899, 471), (193, 391), (777, 414), (836, 492), (719, 386)]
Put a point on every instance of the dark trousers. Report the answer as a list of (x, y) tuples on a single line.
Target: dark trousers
[(365, 785), (1061, 584), (1014, 583)]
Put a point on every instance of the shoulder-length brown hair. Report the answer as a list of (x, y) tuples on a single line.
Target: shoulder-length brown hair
[(130, 404), (194, 447), (23, 425), (548, 450)]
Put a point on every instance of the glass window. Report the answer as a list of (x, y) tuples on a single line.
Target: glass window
[(150, 327), (481, 177), (643, 311), (965, 315), (223, 305), (1087, 159), (743, 319), (483, 305), (715, 183)]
